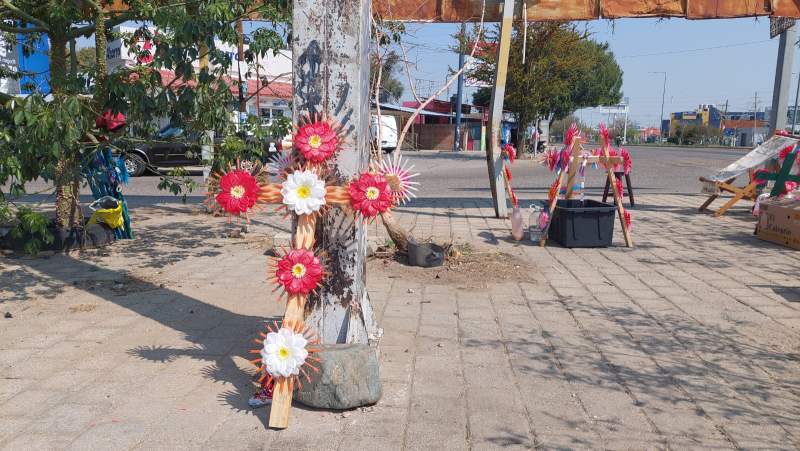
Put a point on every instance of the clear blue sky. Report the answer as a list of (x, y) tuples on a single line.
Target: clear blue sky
[(734, 73)]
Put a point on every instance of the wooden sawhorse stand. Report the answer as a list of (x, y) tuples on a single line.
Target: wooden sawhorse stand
[(574, 164), (627, 177)]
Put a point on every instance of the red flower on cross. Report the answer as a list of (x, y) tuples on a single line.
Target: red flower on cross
[(370, 194)]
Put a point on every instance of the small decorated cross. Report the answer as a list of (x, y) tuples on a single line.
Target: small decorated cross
[(789, 157), (304, 192)]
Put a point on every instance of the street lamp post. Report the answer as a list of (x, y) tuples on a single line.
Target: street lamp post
[(663, 96)]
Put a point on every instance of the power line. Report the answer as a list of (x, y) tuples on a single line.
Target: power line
[(676, 52)]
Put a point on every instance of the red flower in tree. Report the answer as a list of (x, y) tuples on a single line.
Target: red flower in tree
[(370, 194), (316, 141), (110, 121), (238, 192), (299, 272)]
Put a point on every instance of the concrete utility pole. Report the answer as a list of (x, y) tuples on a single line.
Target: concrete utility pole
[(493, 162), (783, 75), (330, 61), (460, 90)]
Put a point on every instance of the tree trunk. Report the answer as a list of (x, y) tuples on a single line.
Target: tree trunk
[(396, 232), (331, 77), (68, 212)]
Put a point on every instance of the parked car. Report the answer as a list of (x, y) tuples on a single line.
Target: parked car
[(389, 132), (173, 147)]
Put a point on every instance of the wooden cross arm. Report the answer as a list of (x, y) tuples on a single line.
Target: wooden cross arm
[(337, 195), (775, 176), (604, 160), (271, 194)]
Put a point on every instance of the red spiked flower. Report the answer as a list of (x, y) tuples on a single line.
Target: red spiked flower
[(785, 152), (605, 135), (299, 272), (238, 192), (370, 194), (619, 188), (627, 163), (572, 133), (316, 141), (511, 151), (627, 220)]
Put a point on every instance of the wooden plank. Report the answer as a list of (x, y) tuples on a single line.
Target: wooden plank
[(552, 208), (716, 9), (281, 395), (574, 167), (612, 179), (748, 191), (786, 8), (613, 9), (544, 10), (494, 158)]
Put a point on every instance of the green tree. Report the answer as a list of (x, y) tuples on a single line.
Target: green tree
[(49, 137), (564, 70), (391, 88)]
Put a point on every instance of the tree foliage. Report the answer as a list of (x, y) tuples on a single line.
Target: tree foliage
[(391, 88), (48, 137), (564, 70)]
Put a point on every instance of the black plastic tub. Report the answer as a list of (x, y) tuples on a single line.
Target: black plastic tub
[(582, 223)]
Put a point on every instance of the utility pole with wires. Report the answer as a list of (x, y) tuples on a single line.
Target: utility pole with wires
[(755, 117), (460, 91), (783, 76)]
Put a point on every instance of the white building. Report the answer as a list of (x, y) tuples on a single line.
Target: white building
[(269, 87)]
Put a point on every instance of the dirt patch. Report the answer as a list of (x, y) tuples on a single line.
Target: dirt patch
[(82, 308), (464, 269)]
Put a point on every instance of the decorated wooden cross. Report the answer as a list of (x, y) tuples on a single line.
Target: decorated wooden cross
[(304, 190), (784, 176), (571, 160)]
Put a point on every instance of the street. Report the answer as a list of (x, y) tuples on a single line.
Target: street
[(447, 175)]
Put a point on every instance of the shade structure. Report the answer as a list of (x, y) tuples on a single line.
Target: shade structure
[(561, 10), (470, 10)]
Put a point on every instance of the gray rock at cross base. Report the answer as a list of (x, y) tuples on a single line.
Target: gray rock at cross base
[(348, 378)]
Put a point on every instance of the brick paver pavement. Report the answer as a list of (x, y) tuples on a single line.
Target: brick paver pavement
[(690, 340)]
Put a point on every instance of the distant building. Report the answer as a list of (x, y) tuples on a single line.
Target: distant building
[(35, 65), (704, 116), (745, 132), (266, 100)]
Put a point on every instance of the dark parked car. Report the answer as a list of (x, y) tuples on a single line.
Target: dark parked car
[(172, 147)]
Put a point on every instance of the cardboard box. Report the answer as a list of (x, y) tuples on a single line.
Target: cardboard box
[(779, 222)]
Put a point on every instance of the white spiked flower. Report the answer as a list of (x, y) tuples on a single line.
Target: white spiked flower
[(398, 175), (280, 164), (303, 192), (284, 352)]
